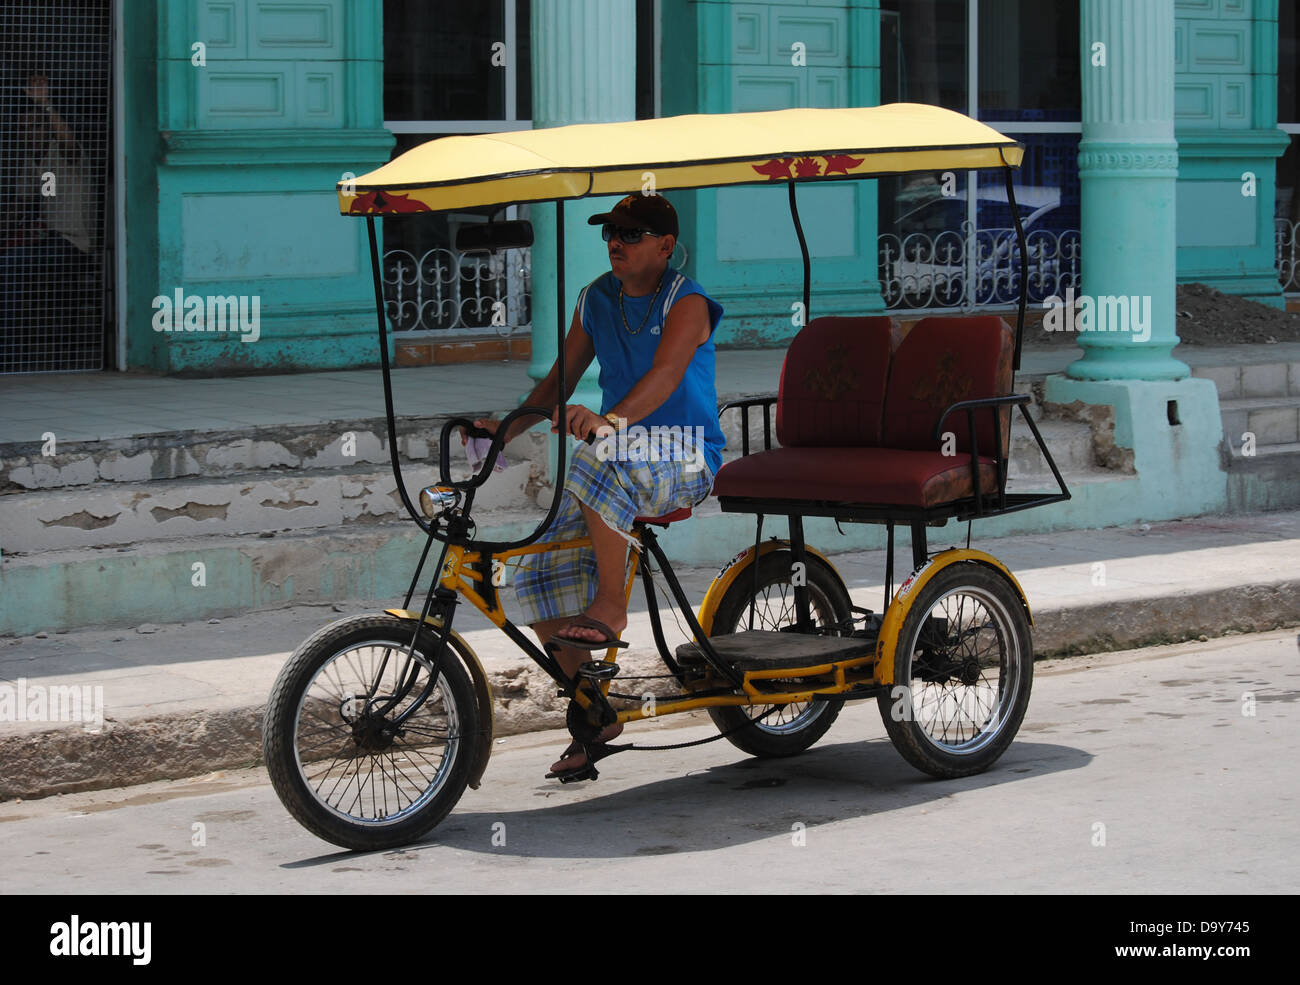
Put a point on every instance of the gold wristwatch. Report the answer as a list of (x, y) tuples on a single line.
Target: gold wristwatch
[(613, 419)]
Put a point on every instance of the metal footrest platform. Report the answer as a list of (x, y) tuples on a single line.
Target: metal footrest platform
[(763, 650)]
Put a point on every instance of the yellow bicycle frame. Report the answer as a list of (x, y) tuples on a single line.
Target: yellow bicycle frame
[(463, 572)]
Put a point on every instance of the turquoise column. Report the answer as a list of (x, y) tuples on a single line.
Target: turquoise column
[(584, 71), (1128, 165), (1128, 169)]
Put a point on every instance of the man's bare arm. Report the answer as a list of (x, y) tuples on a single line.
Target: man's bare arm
[(578, 354)]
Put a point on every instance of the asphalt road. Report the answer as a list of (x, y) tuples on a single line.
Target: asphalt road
[(1133, 773)]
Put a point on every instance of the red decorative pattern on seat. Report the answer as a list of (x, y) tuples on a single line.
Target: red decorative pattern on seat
[(940, 362), (833, 383)]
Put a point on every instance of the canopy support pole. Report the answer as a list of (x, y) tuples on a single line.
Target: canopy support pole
[(803, 248), (377, 272), (1024, 266), (561, 437)]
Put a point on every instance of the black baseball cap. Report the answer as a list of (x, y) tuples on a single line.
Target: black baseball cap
[(652, 212)]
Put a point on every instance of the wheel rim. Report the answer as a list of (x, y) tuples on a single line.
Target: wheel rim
[(963, 675), (346, 759), (771, 612)]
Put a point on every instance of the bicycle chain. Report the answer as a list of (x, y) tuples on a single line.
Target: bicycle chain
[(700, 742)]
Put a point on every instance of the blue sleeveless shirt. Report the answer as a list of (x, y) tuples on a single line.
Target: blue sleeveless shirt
[(626, 357)]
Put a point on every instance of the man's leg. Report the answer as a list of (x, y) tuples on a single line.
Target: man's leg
[(610, 604), (569, 659)]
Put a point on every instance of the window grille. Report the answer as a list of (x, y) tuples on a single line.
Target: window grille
[(55, 76)]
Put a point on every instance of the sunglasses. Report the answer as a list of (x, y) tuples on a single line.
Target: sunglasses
[(629, 236)]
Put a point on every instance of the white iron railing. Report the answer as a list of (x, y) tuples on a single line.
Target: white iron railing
[(444, 291), (1285, 254), (974, 268)]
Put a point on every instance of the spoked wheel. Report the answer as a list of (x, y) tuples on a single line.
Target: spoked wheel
[(963, 670), (344, 760), (792, 728)]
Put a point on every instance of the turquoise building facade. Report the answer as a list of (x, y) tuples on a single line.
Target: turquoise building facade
[(239, 116), (1226, 125)]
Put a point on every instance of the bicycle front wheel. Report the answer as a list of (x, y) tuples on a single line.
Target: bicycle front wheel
[(346, 758)]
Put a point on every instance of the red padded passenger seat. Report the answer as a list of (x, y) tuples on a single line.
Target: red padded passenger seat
[(833, 451), (833, 383)]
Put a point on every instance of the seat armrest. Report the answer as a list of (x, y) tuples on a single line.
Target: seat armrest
[(970, 406), (743, 404), (994, 405)]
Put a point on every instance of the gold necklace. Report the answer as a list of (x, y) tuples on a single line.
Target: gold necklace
[(647, 311)]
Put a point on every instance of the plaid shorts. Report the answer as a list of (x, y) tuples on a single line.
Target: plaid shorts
[(563, 583)]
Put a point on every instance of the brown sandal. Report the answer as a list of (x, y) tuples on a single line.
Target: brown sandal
[(586, 622), (576, 747)]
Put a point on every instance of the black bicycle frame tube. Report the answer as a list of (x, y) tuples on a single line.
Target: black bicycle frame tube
[(799, 557), (1024, 263), (651, 543), (803, 248), (415, 578), (656, 624), (435, 662)]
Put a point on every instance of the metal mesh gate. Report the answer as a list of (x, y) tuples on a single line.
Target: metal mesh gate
[(55, 75)]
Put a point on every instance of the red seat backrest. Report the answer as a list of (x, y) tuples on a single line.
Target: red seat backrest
[(942, 361), (833, 383)]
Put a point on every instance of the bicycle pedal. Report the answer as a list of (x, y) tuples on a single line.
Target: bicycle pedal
[(598, 670), (587, 772)]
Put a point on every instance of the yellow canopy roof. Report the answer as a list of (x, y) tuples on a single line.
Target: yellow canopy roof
[(680, 152)]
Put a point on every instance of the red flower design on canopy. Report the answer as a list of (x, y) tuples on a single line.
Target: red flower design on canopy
[(778, 168), (377, 202), (842, 163), (775, 169), (807, 167)]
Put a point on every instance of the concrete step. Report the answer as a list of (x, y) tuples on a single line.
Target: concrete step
[(112, 514), (1252, 380), (1268, 480), (190, 578), (1069, 442), (41, 463), (53, 464), (1271, 421), (267, 480)]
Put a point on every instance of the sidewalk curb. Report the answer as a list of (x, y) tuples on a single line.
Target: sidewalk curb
[(70, 759)]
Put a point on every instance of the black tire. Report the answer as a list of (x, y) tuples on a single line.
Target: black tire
[(790, 729), (317, 739), (963, 670)]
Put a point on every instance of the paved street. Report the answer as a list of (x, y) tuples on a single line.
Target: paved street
[(1148, 751)]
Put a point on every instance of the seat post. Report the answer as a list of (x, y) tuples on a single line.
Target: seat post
[(799, 562), (919, 550), (889, 563)]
